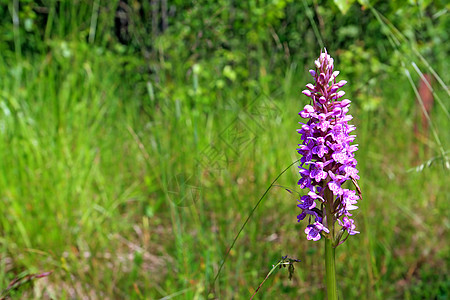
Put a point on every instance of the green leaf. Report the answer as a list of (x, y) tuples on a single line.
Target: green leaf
[(343, 5)]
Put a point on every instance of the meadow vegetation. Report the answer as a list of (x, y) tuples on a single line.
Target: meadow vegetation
[(129, 160)]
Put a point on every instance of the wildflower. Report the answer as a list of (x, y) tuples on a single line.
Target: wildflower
[(348, 225), (313, 231), (328, 159)]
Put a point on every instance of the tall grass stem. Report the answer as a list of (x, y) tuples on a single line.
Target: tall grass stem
[(246, 221), (330, 268)]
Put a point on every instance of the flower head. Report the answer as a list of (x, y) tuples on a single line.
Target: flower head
[(348, 225), (313, 231), (328, 159)]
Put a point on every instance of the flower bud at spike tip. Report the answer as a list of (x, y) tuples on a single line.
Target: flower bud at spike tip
[(345, 102), (307, 93), (340, 94), (310, 86), (328, 159), (317, 62), (334, 88), (341, 83)]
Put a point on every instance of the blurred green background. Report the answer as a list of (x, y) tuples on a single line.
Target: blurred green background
[(137, 136)]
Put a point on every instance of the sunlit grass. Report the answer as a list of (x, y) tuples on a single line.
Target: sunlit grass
[(127, 193)]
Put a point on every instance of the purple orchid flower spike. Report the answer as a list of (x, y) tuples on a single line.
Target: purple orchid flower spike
[(328, 159)]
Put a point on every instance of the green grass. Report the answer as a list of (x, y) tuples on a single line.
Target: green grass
[(97, 185), (132, 189)]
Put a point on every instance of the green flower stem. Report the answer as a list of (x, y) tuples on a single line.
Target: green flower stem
[(330, 265), (330, 268)]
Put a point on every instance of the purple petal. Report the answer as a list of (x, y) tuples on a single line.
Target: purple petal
[(307, 93)]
